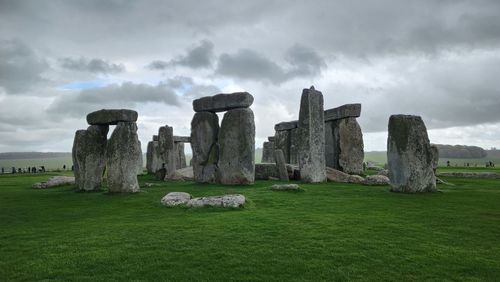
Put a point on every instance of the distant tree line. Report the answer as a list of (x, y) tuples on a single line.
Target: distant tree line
[(461, 152)]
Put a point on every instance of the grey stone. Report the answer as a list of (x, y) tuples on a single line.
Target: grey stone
[(237, 147), (175, 199), (140, 160), (89, 157), (282, 142), (223, 102), (409, 155), (435, 157), (384, 172), (334, 175), (281, 165), (184, 173), (270, 138), (376, 180), (155, 137), (351, 146), (225, 201), (485, 175), (123, 151), (332, 146), (111, 116), (285, 187), (204, 134), (344, 111), (168, 154), (293, 153), (266, 171), (355, 179), (55, 181), (268, 152), (153, 160), (312, 137), (286, 125), (183, 139), (180, 161)]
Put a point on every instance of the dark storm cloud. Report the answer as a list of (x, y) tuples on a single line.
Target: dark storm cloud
[(98, 66), (198, 57), (249, 64), (21, 68), (126, 95)]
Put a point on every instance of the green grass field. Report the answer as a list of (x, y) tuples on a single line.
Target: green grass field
[(334, 232)]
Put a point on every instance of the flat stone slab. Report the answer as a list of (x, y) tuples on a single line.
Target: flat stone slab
[(111, 117), (286, 125), (285, 187), (377, 179), (223, 102), (270, 138), (225, 201), (182, 139), (485, 175), (175, 199), (344, 111), (55, 181)]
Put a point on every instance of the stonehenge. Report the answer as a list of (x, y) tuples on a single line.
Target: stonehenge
[(166, 151), (224, 154), (410, 155), (120, 156), (268, 150)]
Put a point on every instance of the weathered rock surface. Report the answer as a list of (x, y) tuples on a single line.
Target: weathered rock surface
[(237, 147), (268, 152), (286, 125), (409, 155), (334, 175), (351, 146), (123, 151), (183, 139), (485, 175), (180, 161), (111, 117), (153, 161), (285, 187), (344, 111), (270, 138), (435, 157), (281, 165), (168, 154), (183, 174), (376, 180), (384, 172), (266, 171), (55, 181), (204, 134), (282, 142), (225, 201), (355, 179), (294, 147), (155, 138), (175, 199), (311, 136), (223, 102), (89, 157)]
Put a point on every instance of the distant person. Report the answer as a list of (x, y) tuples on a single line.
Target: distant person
[(29, 170), (3, 170), (13, 170), (42, 168), (72, 168), (33, 169), (64, 167), (19, 170), (467, 164), (448, 163)]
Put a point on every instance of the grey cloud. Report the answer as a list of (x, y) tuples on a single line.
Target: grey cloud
[(21, 68), (248, 64), (91, 65), (126, 95), (198, 57)]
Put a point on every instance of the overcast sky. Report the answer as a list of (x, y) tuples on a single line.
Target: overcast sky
[(60, 60)]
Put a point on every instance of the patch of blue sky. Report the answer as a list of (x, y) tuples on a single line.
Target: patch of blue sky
[(80, 85)]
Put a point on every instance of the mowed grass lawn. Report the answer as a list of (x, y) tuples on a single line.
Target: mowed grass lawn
[(334, 232)]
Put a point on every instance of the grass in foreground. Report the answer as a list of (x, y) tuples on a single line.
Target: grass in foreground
[(328, 232)]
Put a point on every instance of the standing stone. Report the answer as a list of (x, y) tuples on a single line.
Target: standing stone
[(281, 165), (268, 152), (351, 146), (282, 142), (89, 157), (409, 155), (153, 161), (332, 149), (180, 161), (435, 158), (122, 154), (167, 149), (294, 147), (312, 137), (237, 147), (140, 160), (204, 134)]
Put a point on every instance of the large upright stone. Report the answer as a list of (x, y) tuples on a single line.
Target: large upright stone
[(311, 136), (223, 102), (180, 161), (332, 146), (282, 142), (409, 155), (286, 125), (89, 157), (351, 146), (122, 154), (344, 111), (293, 154), (111, 117), (268, 152), (435, 157), (281, 165), (153, 160), (167, 149), (237, 147), (204, 134)]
